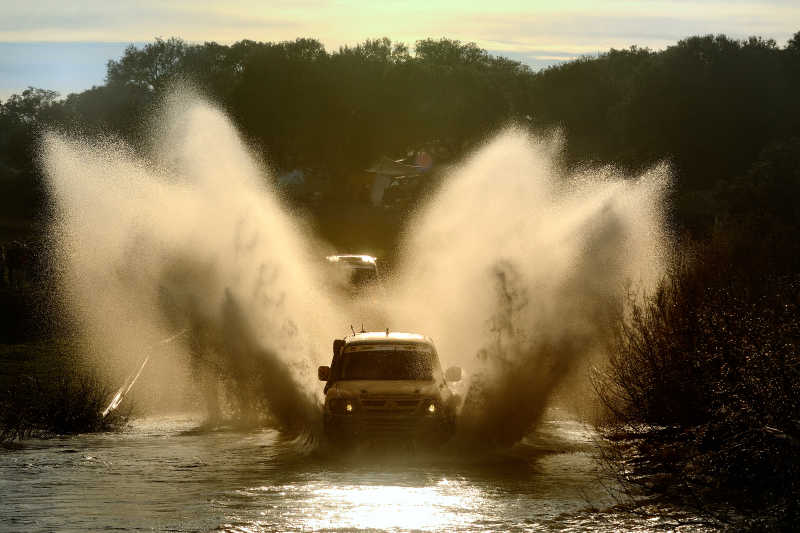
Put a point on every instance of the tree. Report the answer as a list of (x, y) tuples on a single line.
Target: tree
[(150, 68)]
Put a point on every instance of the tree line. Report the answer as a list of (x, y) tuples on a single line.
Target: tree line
[(723, 112)]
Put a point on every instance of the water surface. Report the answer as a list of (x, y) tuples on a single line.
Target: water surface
[(163, 474)]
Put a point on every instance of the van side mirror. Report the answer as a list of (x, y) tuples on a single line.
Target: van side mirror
[(453, 373), (324, 373), (337, 346)]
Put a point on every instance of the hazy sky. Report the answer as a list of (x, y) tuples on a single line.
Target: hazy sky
[(64, 45)]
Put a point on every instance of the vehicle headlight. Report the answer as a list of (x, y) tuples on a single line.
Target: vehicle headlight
[(431, 407), (340, 406)]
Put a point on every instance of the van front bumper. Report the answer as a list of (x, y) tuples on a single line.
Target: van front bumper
[(398, 428)]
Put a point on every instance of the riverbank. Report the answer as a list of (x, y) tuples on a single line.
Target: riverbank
[(702, 386), (46, 389)]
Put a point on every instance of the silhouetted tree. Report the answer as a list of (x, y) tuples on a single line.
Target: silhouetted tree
[(710, 105)]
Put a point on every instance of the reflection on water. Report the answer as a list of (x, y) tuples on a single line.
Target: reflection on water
[(164, 475), (384, 506)]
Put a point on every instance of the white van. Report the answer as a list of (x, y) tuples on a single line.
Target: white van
[(387, 386), (353, 272)]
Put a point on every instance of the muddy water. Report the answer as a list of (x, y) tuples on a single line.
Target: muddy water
[(164, 474)]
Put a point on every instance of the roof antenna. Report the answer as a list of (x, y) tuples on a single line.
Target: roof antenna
[(351, 329), (387, 332)]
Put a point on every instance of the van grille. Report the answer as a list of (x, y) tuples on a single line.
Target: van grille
[(390, 405)]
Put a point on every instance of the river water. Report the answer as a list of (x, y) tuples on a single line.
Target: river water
[(164, 474)]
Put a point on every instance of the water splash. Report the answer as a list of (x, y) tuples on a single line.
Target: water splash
[(513, 268), (517, 272), (131, 380), (189, 236)]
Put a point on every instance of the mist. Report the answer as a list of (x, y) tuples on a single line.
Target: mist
[(189, 236), (518, 270), (515, 269)]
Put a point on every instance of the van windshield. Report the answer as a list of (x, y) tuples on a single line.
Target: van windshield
[(355, 277), (362, 276), (387, 364)]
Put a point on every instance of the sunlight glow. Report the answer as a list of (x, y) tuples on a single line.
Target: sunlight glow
[(443, 505), (446, 505), (569, 26)]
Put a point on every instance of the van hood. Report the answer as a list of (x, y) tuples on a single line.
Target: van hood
[(355, 388)]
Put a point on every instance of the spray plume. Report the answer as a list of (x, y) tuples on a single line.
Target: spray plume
[(190, 237), (517, 272), (513, 269)]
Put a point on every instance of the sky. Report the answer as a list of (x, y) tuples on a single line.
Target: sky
[(65, 46)]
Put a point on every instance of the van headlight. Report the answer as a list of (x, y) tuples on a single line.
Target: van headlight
[(431, 407), (340, 406)]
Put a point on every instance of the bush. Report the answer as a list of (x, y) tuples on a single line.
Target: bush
[(51, 395), (702, 384)]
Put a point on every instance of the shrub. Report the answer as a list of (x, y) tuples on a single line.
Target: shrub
[(52, 395), (709, 368)]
